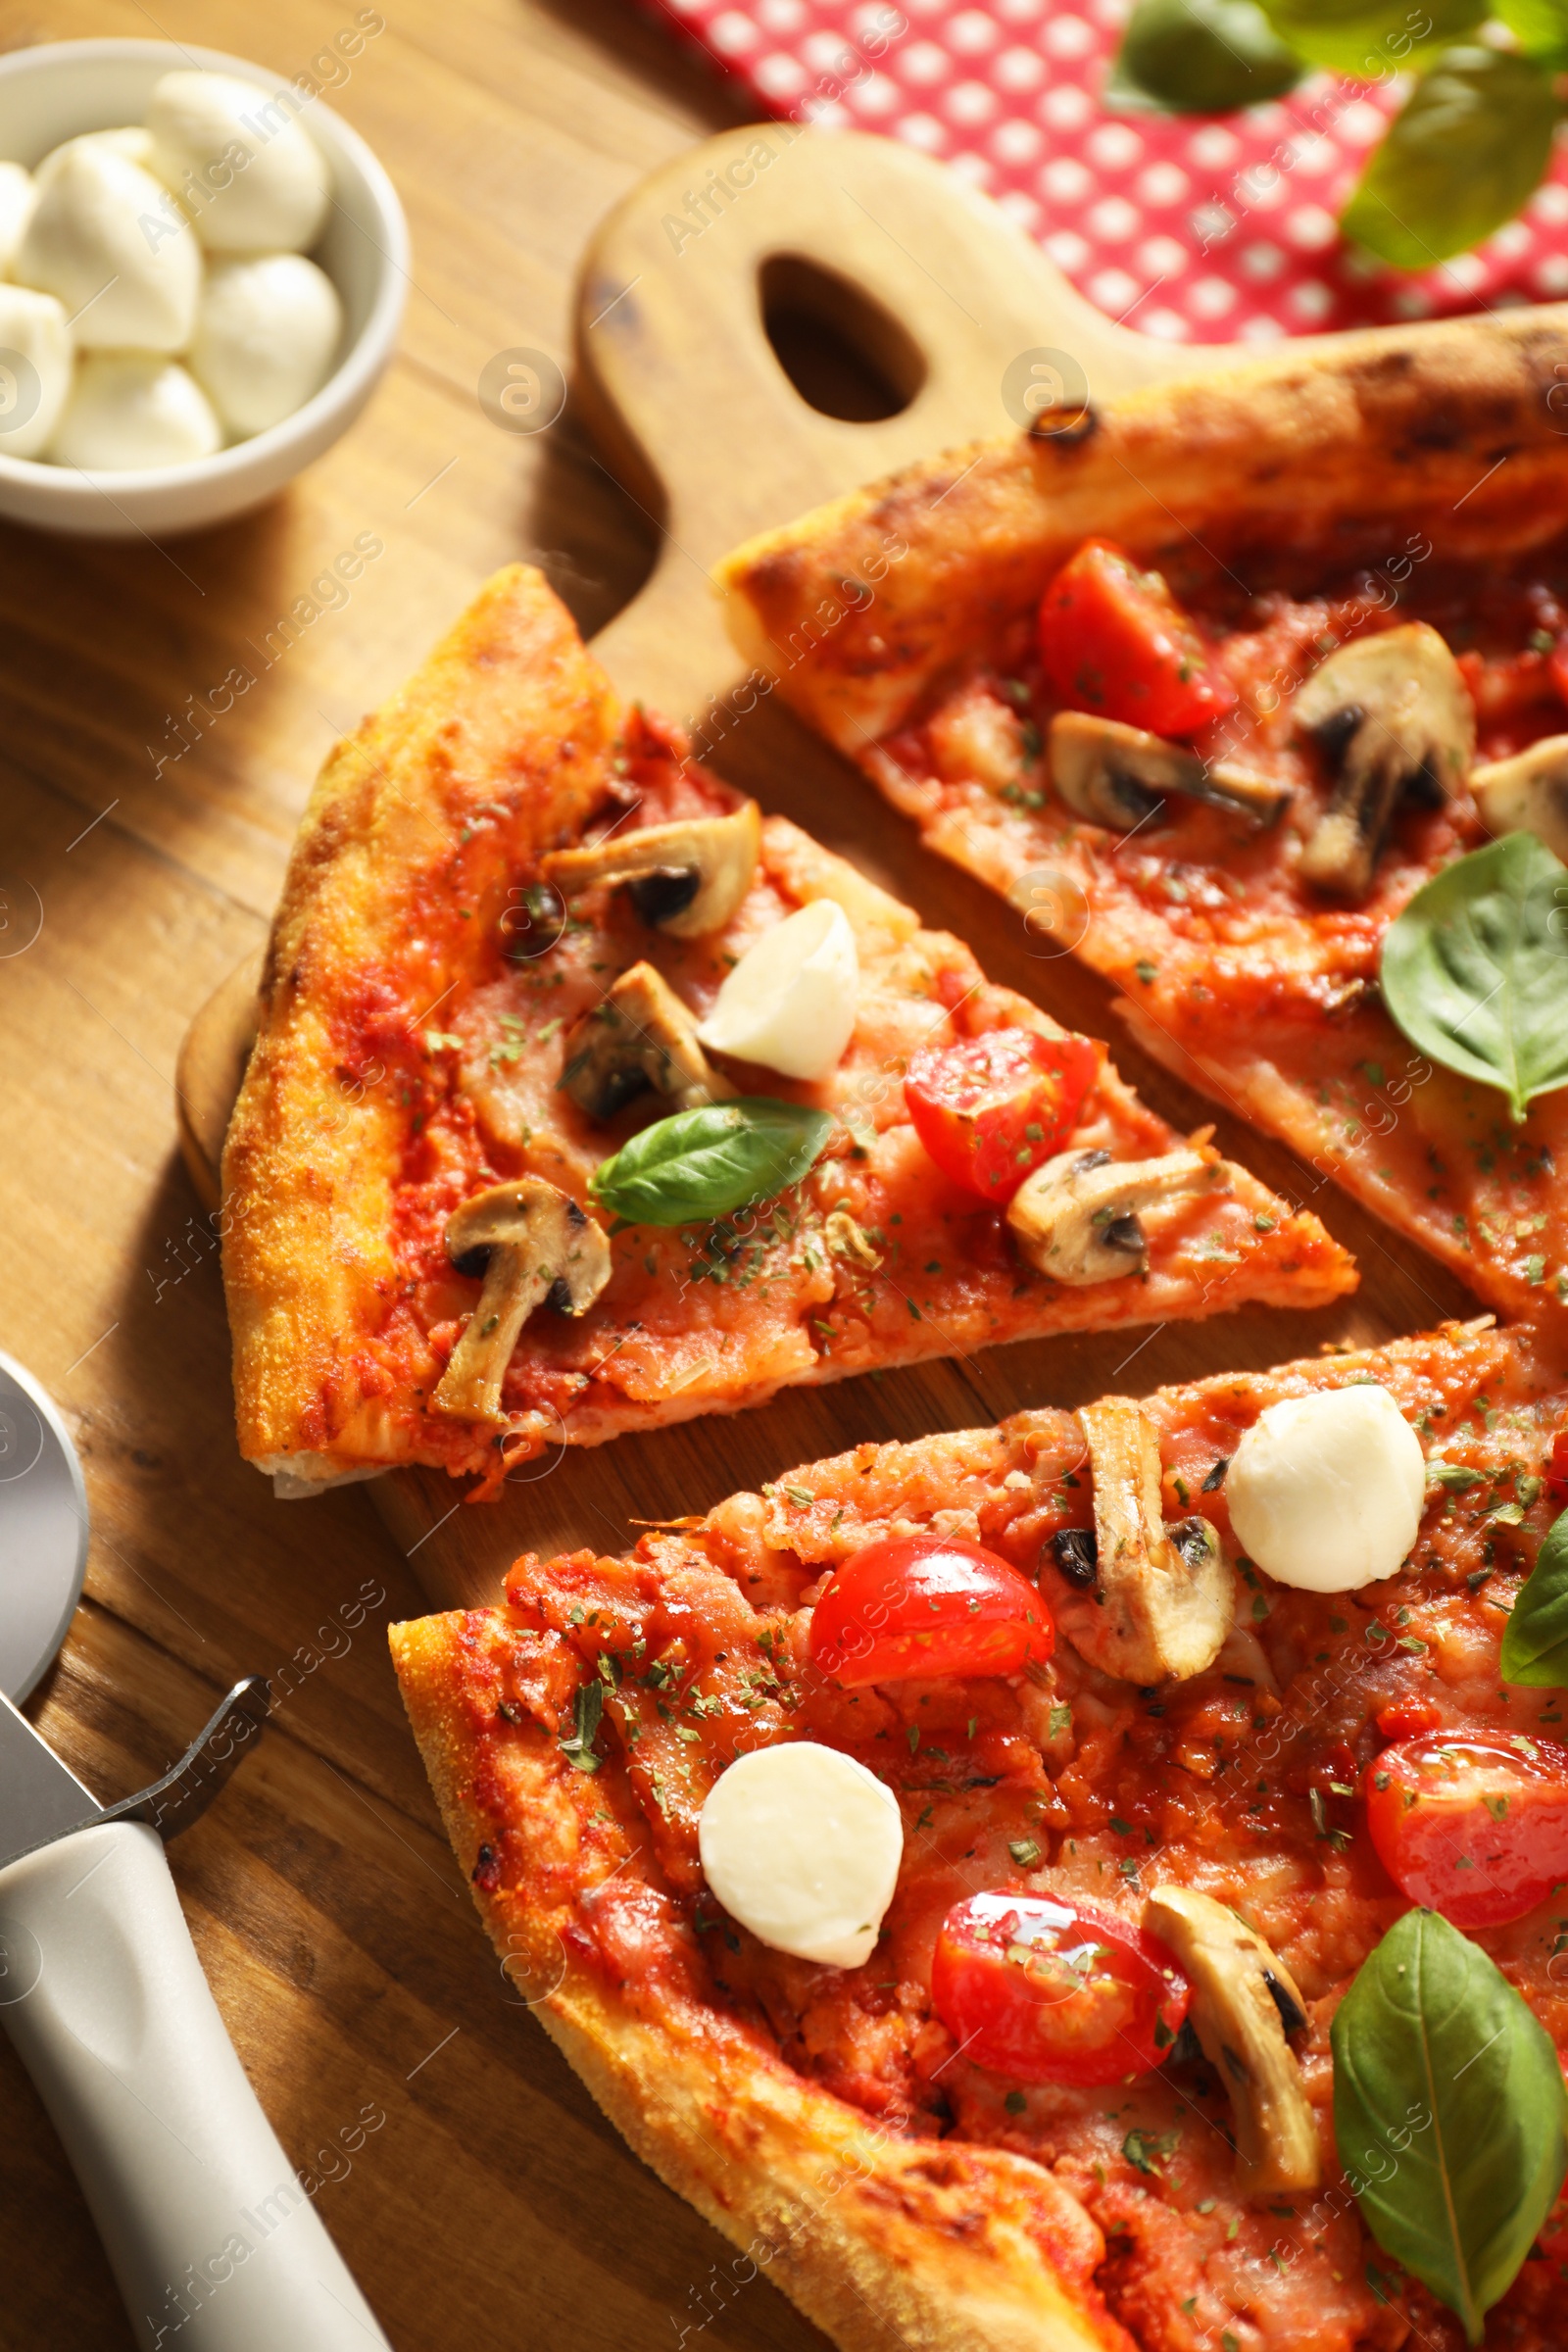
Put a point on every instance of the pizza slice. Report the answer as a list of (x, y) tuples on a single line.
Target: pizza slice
[(1017, 1915), (587, 1100), (1214, 687)]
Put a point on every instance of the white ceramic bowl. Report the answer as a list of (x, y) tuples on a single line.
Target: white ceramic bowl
[(60, 88)]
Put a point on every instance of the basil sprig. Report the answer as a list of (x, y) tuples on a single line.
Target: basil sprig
[(709, 1162), (1475, 970), (1534, 1639), (1370, 37), (1474, 137), (1460, 157), (1200, 57), (1449, 2113), (1540, 27)]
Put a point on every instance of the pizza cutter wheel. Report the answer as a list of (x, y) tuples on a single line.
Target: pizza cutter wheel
[(212, 2240)]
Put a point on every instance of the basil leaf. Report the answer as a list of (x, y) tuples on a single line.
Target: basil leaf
[(709, 1162), (1472, 141), (1199, 57), (1534, 1639), (1475, 970), (1369, 38), (1449, 2113), (1541, 27)]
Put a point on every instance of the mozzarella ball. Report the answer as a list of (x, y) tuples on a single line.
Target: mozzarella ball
[(129, 410), (35, 359), (791, 1000), (266, 328), (252, 180), (16, 208), (1325, 1491), (128, 139), (113, 246), (803, 1845)]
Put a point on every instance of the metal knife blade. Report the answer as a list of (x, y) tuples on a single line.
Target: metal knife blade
[(40, 1798)]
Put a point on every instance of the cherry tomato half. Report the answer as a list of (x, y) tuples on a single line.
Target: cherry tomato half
[(1557, 1469), (1055, 1993), (928, 1605), (1113, 640), (1474, 1826), (1403, 1719), (991, 1109)]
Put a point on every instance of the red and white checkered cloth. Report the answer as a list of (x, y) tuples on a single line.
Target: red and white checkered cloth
[(1205, 229)]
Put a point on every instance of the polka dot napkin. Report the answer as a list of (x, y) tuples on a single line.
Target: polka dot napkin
[(1190, 228)]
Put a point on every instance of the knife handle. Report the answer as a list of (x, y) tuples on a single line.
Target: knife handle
[(214, 2243)]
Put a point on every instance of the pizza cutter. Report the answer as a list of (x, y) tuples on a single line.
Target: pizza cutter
[(214, 2243)]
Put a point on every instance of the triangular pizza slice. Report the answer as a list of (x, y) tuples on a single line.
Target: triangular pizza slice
[(1212, 686), (585, 1099), (1089, 1884)]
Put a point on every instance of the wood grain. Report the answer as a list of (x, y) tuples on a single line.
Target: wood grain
[(894, 253), (342, 1948)]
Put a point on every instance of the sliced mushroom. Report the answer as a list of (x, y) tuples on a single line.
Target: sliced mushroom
[(1245, 2002), (533, 1243), (639, 1034), (1527, 794), (1076, 1217), (1390, 715), (1159, 1603), (1076, 1552), (686, 878), (1117, 775)]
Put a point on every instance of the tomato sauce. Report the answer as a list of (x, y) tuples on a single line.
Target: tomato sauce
[(1236, 972), (877, 1257), (1246, 1781), (1206, 878)]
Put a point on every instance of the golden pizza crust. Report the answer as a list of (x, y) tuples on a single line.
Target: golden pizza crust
[(509, 704), (1455, 429), (935, 2246)]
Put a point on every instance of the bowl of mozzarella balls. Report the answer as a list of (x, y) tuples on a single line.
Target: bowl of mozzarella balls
[(202, 276)]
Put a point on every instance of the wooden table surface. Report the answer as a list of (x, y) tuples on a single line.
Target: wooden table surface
[(491, 2205)]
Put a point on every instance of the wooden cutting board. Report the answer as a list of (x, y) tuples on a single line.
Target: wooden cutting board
[(766, 260)]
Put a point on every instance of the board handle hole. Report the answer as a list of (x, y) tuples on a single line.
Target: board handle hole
[(845, 356)]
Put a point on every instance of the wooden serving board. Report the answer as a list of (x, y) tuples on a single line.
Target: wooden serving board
[(888, 284)]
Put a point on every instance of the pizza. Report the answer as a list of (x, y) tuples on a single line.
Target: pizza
[(1088, 1884), (1252, 689), (586, 1099)]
